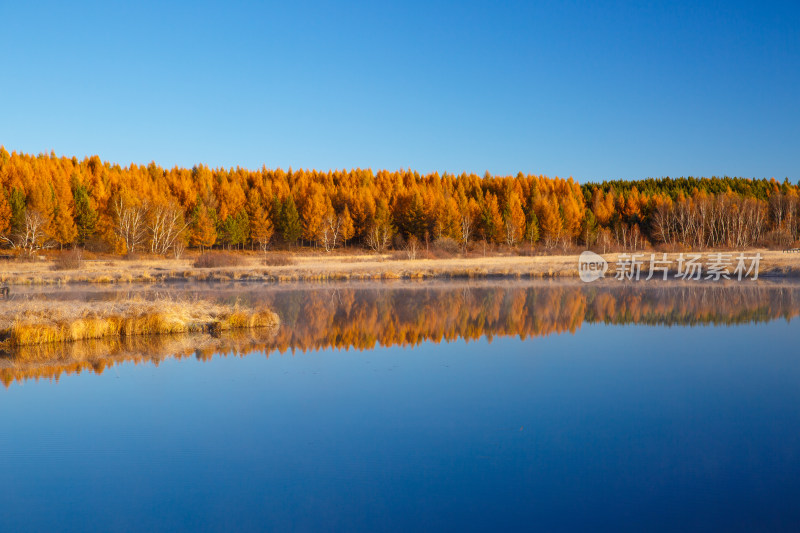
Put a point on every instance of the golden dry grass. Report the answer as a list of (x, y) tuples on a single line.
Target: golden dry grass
[(40, 322), (310, 266)]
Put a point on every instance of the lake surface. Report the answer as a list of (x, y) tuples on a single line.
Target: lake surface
[(408, 407)]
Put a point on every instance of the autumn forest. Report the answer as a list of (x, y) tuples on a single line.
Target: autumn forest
[(60, 202)]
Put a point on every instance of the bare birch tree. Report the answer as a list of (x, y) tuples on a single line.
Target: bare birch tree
[(33, 236), (378, 237), (466, 229), (331, 229), (130, 224), (164, 226)]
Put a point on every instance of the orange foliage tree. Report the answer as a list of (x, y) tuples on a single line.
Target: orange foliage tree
[(75, 204)]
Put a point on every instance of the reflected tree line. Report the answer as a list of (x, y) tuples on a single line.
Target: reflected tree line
[(363, 318)]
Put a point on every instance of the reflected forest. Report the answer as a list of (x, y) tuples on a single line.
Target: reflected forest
[(363, 317)]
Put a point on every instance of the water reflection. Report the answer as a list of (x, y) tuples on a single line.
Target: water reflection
[(362, 317)]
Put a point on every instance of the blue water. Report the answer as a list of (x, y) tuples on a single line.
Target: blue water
[(614, 428)]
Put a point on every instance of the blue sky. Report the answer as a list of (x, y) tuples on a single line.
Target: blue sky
[(618, 90)]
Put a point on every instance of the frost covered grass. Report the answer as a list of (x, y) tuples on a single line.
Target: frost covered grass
[(308, 266), (40, 322)]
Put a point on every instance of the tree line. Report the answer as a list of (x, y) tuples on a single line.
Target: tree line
[(49, 201)]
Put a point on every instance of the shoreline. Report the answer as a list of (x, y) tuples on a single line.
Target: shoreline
[(314, 268)]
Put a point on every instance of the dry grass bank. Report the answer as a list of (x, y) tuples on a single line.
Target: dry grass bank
[(305, 267), (26, 323)]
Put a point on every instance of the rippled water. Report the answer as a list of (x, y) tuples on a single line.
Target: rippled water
[(497, 406)]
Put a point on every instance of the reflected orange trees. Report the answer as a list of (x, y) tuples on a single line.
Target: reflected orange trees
[(363, 318)]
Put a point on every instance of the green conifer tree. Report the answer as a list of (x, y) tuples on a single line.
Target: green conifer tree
[(290, 221), (85, 215)]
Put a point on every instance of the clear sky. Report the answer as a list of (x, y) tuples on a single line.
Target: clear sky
[(595, 90)]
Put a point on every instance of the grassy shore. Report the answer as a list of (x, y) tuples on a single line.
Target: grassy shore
[(307, 267), (24, 323)]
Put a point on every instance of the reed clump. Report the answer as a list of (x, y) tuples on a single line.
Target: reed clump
[(42, 322), (69, 260), (278, 259), (218, 259)]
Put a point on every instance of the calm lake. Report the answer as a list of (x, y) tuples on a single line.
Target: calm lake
[(419, 406)]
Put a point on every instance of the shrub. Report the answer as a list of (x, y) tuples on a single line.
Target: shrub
[(398, 242), (69, 260), (527, 251), (98, 245), (412, 247), (218, 259), (447, 245), (778, 239), (277, 260), (26, 256)]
